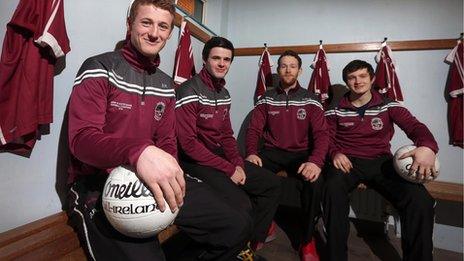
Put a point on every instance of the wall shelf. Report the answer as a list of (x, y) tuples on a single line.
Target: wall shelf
[(414, 45)]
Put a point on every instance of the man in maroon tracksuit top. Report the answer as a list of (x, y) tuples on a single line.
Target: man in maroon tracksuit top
[(121, 112), (291, 122), (361, 127), (208, 149)]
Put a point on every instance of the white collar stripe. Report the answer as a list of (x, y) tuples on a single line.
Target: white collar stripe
[(203, 101), (371, 112), (186, 100), (292, 103), (228, 100), (94, 75), (195, 97), (129, 87), (90, 72)]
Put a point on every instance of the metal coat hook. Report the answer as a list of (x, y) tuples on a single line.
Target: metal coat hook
[(384, 43)]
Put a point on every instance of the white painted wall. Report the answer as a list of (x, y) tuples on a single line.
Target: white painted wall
[(216, 17), (297, 22), (27, 190)]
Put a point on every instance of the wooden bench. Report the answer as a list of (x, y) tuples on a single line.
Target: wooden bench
[(438, 189), (49, 238), (445, 190)]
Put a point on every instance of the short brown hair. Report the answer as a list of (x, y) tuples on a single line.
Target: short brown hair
[(167, 5)]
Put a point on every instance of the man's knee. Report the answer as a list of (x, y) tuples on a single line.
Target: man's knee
[(239, 229), (242, 202), (269, 183), (335, 185), (422, 202), (275, 184)]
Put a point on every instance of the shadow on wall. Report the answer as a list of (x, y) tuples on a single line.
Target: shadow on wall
[(62, 162), (120, 44), (64, 156), (241, 136), (336, 92)]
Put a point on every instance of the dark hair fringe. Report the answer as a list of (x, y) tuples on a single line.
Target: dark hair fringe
[(357, 65), (217, 41)]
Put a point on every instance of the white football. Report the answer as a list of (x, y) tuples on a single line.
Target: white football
[(130, 206), (402, 166)]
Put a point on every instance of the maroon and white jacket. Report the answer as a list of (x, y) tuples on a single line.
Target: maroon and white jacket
[(369, 136), (291, 122), (120, 104), (204, 130)]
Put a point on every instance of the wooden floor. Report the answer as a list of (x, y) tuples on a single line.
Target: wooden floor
[(362, 246)]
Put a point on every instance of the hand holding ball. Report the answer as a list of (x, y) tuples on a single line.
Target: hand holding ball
[(403, 166), (130, 207)]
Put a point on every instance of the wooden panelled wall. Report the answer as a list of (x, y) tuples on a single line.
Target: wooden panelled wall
[(187, 5), (195, 30)]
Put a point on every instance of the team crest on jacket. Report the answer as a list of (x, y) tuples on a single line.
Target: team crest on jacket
[(377, 123), (159, 110), (301, 114)]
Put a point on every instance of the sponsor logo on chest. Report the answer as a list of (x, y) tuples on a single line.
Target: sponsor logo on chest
[(206, 115), (346, 124), (273, 113)]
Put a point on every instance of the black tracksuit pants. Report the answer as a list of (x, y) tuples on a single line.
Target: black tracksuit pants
[(257, 198), (296, 192), (413, 202), (205, 217)]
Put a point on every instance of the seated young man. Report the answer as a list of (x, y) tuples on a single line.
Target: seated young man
[(291, 122), (208, 149), (361, 127), (113, 121)]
